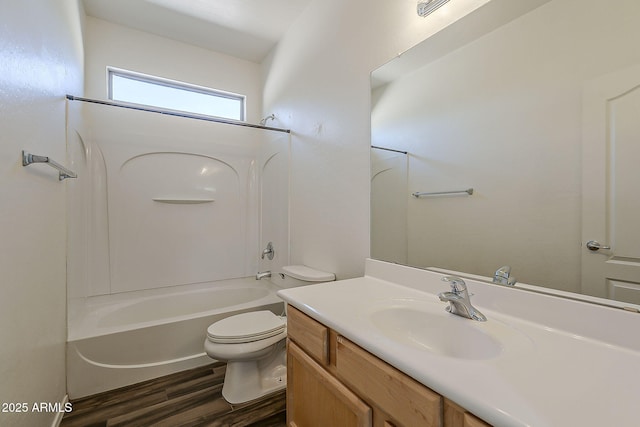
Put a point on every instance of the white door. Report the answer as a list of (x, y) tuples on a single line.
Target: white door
[(611, 186)]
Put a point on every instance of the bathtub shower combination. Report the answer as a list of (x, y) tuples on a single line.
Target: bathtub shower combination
[(167, 222)]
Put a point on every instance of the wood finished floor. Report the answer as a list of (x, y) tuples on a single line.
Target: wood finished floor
[(185, 399)]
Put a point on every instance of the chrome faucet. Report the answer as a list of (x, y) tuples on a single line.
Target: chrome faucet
[(269, 252), (263, 274), (503, 276), (459, 299)]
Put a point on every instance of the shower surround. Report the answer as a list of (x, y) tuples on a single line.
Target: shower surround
[(167, 212)]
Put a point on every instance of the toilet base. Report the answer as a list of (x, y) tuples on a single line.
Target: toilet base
[(247, 380)]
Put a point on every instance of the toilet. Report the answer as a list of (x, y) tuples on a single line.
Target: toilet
[(254, 344)]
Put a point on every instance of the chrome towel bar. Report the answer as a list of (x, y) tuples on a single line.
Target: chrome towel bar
[(63, 173), (468, 191)]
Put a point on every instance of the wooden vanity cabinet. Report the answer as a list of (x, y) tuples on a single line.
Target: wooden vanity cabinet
[(333, 382)]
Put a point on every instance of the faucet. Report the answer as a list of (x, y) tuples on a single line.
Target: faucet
[(263, 274), (269, 252), (503, 276), (459, 299)]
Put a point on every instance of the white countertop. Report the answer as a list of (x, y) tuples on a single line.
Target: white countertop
[(571, 363)]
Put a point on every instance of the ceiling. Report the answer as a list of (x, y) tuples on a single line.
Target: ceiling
[(246, 29)]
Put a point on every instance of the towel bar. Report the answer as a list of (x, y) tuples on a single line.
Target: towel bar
[(469, 191), (28, 158)]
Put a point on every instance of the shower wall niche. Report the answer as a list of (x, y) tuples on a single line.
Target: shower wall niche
[(166, 201)]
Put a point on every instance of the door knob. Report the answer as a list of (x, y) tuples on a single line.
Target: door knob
[(593, 245)]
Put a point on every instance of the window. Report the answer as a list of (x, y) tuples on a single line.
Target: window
[(134, 88)]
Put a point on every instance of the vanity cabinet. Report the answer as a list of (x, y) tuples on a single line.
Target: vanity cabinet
[(332, 381)]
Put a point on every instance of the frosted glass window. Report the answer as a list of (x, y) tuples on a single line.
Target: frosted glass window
[(125, 86)]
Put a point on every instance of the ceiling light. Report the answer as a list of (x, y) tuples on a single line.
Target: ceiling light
[(425, 7)]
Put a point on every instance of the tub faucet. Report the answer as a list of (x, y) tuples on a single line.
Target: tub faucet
[(263, 274), (503, 276), (459, 300)]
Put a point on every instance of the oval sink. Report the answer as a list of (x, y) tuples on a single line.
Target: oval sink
[(445, 334)]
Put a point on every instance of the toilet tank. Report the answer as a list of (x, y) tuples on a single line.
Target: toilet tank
[(301, 275)]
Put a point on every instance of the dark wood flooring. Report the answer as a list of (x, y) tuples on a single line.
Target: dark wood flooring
[(185, 399)]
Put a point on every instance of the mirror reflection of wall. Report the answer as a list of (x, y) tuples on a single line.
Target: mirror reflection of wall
[(389, 205), (503, 114)]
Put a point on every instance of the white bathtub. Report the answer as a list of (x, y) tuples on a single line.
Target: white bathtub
[(121, 339)]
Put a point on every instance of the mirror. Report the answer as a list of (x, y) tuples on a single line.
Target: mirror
[(499, 102)]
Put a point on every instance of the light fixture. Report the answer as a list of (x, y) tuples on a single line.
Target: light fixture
[(425, 7)]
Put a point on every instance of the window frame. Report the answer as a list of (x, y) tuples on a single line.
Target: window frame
[(174, 84)]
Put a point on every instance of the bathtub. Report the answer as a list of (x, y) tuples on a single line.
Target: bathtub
[(121, 339)]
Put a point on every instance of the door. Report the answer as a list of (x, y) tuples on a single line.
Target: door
[(317, 399), (611, 186)]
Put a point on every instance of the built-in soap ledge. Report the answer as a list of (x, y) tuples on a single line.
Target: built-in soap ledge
[(182, 200)]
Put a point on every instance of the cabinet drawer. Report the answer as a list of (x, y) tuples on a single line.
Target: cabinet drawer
[(408, 402), (311, 336)]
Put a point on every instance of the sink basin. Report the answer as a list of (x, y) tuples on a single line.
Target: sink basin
[(432, 329)]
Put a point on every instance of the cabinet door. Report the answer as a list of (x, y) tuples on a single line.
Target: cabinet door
[(317, 399), (472, 421), (456, 416), (453, 414)]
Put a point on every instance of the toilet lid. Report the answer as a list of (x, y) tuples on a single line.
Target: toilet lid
[(246, 327)]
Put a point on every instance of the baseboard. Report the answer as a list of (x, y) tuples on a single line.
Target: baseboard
[(58, 419)]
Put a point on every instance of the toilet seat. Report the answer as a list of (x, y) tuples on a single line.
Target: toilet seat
[(246, 327)]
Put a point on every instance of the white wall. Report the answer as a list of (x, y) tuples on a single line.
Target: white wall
[(503, 115), (41, 60), (108, 44), (317, 84)]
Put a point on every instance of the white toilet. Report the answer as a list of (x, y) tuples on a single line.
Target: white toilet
[(253, 344)]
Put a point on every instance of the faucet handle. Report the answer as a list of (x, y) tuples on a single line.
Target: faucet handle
[(269, 252), (504, 271), (503, 276), (457, 284)]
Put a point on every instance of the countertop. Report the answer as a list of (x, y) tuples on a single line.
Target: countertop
[(570, 363)]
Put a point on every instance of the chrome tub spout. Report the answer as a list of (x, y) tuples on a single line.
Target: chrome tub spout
[(263, 274)]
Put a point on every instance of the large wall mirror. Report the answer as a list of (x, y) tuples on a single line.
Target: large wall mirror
[(535, 104)]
